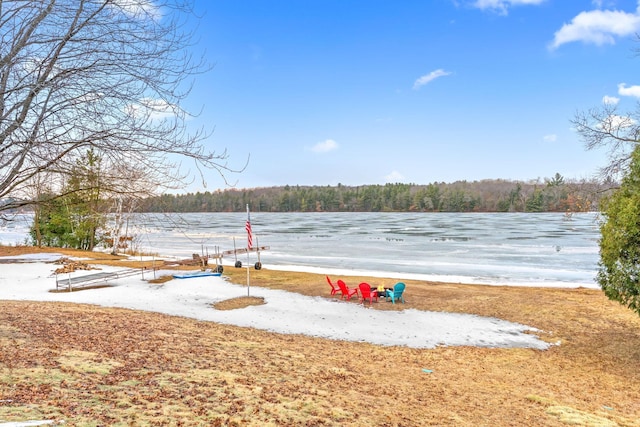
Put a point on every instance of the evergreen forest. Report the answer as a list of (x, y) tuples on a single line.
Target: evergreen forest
[(548, 195)]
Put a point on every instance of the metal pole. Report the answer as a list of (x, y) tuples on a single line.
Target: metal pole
[(258, 248), (248, 275), (235, 253), (248, 282)]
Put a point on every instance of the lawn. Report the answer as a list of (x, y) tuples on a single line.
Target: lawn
[(84, 365)]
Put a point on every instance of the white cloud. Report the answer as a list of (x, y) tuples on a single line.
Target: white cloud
[(598, 27), (139, 9), (154, 109), (610, 100), (615, 123), (550, 138), (502, 6), (325, 146), (623, 90), (394, 177), (427, 78)]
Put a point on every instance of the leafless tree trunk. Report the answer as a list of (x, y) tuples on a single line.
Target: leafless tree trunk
[(103, 74), (121, 213)]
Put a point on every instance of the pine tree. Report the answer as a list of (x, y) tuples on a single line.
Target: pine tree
[(619, 272)]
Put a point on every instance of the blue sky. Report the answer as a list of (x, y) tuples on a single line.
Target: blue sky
[(321, 92)]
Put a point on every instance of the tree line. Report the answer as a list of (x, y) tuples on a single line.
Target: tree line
[(549, 195)]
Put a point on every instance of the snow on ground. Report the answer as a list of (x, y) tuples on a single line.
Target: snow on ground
[(283, 312)]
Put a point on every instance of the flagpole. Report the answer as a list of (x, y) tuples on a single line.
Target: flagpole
[(248, 227)]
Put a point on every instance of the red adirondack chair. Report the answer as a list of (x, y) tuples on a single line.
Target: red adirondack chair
[(334, 288), (366, 293), (346, 291)]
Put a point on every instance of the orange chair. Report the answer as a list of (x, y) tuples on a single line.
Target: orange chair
[(334, 288), (346, 291), (366, 293)]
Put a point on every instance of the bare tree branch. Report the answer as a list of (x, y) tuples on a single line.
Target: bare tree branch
[(604, 127), (103, 74)]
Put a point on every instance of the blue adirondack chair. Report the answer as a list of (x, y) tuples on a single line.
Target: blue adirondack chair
[(396, 293)]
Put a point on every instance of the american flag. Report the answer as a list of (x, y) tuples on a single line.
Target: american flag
[(248, 228)]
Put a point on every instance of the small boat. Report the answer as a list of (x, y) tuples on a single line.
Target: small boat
[(192, 274)]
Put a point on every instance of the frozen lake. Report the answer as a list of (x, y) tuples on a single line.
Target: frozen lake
[(524, 249)]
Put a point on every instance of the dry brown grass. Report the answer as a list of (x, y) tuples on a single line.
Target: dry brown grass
[(236, 303), (95, 366)]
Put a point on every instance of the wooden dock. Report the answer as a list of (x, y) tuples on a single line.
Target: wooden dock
[(69, 283)]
